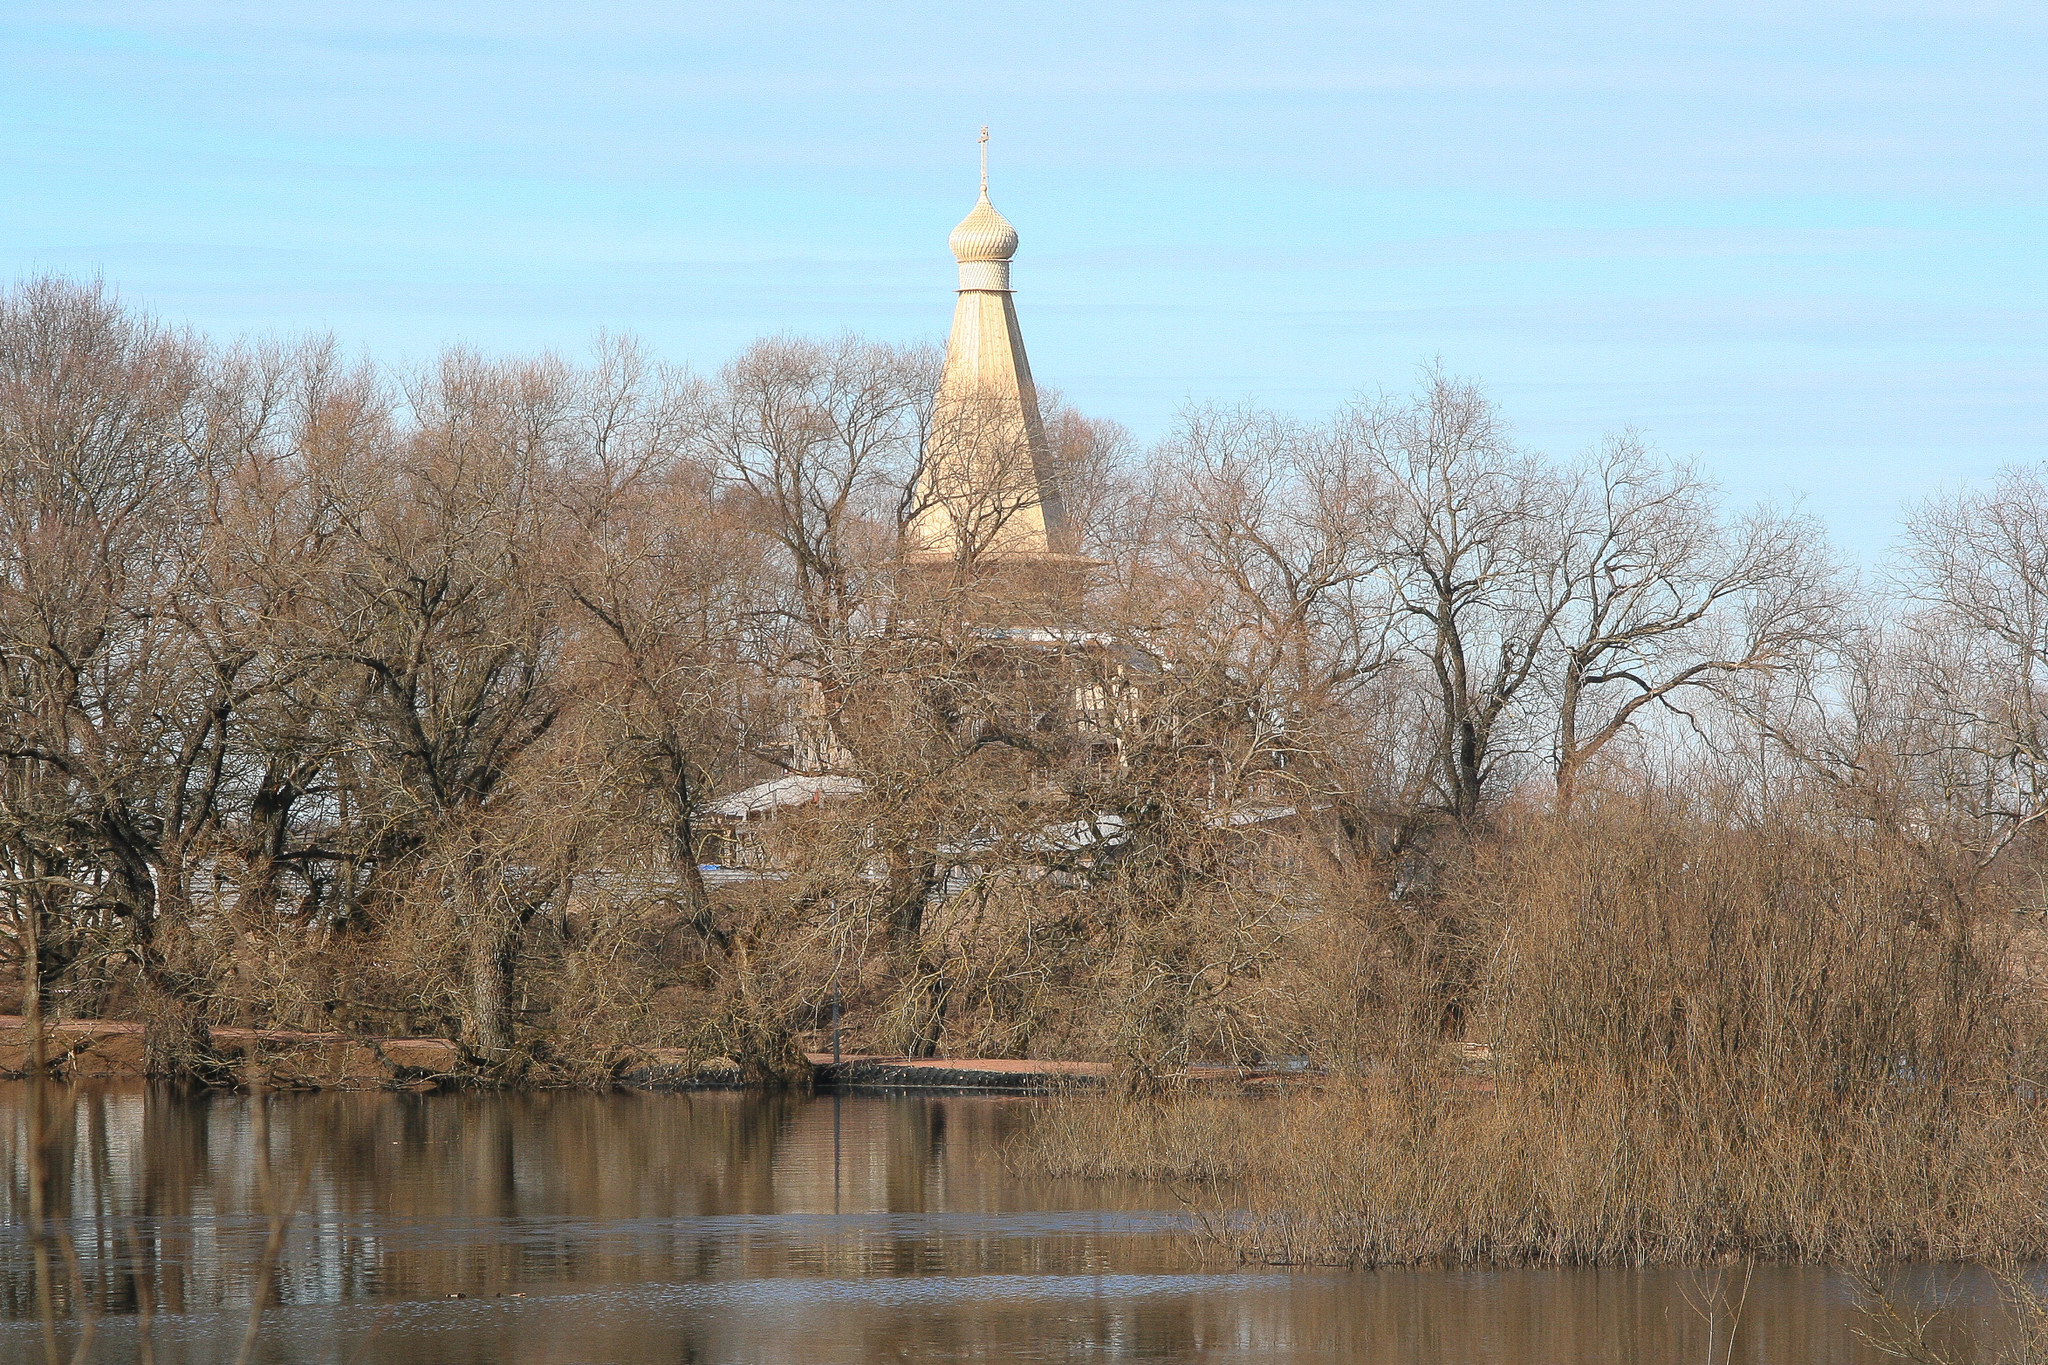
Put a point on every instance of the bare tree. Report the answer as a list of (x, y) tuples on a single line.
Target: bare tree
[(823, 442), (281, 521), (1665, 599), (444, 621), (674, 591), (116, 708), (984, 489), (1282, 590), (1979, 563), (1476, 544), (1093, 462)]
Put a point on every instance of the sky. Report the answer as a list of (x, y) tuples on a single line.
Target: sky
[(1799, 243)]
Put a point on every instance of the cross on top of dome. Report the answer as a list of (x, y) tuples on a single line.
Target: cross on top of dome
[(984, 234)]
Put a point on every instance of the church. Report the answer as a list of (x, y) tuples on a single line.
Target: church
[(989, 575), (987, 530)]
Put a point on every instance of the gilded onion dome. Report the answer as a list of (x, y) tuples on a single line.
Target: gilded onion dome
[(983, 244), (983, 235)]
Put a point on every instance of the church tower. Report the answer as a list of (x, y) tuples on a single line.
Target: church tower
[(988, 509)]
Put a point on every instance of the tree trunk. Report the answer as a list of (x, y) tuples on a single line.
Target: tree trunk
[(912, 874), (1468, 771), (492, 944), (490, 990)]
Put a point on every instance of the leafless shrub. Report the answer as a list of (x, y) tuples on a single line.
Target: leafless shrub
[(1922, 1323), (1680, 1041)]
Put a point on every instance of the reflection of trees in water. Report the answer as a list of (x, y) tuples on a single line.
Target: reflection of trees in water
[(488, 1193), (419, 1197)]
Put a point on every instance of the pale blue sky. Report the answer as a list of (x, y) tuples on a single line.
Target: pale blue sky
[(1802, 242)]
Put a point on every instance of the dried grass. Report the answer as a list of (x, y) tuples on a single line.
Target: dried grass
[(1696, 1039)]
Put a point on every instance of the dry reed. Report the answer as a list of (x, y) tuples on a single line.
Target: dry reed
[(1696, 1040)]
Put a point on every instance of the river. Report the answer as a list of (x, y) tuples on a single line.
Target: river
[(507, 1229)]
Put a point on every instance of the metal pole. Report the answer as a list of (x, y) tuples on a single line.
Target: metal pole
[(835, 1029)]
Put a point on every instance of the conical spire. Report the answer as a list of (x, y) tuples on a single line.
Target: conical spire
[(988, 489)]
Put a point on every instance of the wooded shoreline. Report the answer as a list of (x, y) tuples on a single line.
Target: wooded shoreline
[(459, 707), (99, 1049)]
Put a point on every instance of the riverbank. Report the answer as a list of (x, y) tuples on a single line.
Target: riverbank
[(286, 1060), (82, 1049)]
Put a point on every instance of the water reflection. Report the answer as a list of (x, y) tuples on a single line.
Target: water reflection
[(708, 1227)]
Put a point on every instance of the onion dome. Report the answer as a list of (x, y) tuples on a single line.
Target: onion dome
[(983, 235)]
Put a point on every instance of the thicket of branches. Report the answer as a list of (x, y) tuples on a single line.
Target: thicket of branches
[(339, 697)]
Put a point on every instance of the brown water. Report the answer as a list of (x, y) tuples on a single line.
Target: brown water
[(726, 1227)]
